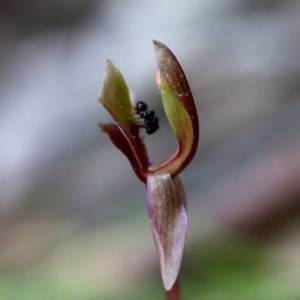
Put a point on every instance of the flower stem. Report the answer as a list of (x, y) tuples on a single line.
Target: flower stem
[(174, 293)]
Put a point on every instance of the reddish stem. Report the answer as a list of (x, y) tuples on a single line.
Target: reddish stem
[(174, 293)]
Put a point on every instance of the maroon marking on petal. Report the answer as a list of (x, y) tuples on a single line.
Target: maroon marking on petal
[(132, 151)]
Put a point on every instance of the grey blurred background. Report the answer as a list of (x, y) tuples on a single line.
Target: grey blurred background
[(73, 214)]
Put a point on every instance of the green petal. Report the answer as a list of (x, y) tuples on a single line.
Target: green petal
[(168, 218), (180, 109), (114, 96)]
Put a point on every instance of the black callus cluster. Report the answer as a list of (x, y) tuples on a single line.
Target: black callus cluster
[(150, 120)]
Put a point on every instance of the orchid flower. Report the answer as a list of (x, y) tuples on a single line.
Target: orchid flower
[(166, 201)]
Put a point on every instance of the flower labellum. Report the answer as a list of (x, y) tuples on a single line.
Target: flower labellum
[(165, 194)]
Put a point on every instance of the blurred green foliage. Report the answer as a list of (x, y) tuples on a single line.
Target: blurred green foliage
[(224, 267)]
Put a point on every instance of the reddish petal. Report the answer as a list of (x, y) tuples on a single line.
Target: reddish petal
[(168, 219), (124, 144)]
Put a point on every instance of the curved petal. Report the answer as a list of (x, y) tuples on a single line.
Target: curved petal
[(180, 109), (168, 218)]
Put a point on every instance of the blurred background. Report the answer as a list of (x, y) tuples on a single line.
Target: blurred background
[(72, 213)]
